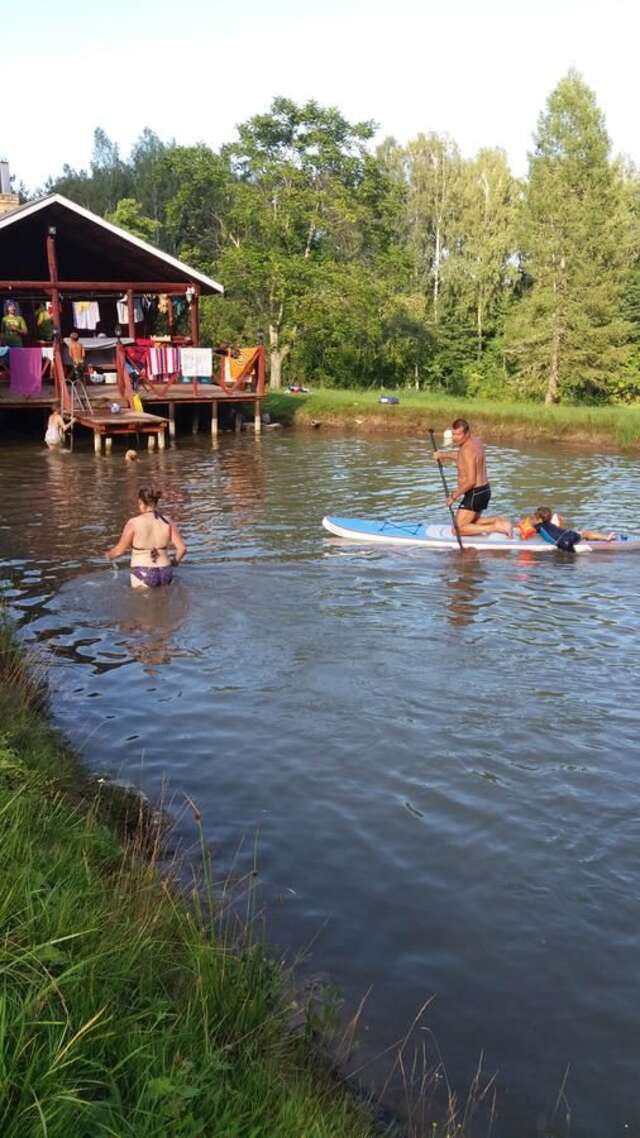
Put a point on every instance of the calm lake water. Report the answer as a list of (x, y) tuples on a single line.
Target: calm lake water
[(438, 753)]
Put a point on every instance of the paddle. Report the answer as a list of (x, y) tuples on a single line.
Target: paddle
[(446, 490)]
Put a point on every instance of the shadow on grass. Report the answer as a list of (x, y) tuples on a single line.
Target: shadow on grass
[(283, 407)]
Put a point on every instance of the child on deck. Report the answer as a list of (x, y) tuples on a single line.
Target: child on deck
[(550, 527)]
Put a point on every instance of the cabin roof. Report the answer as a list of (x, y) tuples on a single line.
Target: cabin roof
[(88, 248)]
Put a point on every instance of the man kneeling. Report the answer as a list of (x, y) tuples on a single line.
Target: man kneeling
[(472, 492)]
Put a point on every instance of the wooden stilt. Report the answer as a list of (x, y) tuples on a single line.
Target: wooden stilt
[(237, 422), (195, 422), (257, 422), (215, 422), (108, 443), (172, 420), (97, 442), (162, 442), (151, 442)]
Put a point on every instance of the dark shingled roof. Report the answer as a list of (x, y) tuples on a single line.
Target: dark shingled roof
[(88, 248)]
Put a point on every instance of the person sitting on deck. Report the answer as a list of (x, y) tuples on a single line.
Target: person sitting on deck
[(12, 327), (148, 536), (551, 527)]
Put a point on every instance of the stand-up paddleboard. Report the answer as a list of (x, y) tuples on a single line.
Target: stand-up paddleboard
[(387, 532)]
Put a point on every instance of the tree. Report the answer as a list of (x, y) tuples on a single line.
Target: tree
[(567, 334), (299, 170), (433, 169), (482, 257), (128, 215)]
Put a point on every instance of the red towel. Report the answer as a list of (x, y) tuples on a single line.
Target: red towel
[(25, 371)]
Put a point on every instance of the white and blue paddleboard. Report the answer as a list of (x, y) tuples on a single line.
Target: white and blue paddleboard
[(387, 532)]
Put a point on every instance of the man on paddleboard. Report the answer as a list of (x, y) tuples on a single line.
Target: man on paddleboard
[(472, 492)]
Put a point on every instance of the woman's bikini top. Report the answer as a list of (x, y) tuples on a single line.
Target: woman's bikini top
[(155, 551)]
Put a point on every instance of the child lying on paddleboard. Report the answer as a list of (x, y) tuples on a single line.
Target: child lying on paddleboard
[(551, 527)]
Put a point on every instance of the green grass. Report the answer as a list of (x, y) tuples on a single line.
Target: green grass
[(419, 410), (128, 1008)]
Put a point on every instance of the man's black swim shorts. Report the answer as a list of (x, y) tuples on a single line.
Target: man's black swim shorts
[(477, 499)]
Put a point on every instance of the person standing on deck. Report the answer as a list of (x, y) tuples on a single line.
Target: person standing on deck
[(12, 327), (472, 491)]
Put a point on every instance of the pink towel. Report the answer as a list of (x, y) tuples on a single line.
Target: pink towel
[(164, 362), (25, 371)]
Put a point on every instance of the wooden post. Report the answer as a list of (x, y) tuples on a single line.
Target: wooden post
[(151, 442), (161, 440), (215, 424), (131, 314), (257, 422), (172, 420), (52, 262), (261, 371), (97, 442), (108, 442), (125, 388), (237, 422), (195, 422), (194, 314)]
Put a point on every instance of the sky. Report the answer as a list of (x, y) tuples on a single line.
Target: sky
[(477, 70)]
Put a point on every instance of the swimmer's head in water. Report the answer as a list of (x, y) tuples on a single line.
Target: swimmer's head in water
[(131, 456)]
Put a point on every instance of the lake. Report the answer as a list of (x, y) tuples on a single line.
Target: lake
[(435, 754)]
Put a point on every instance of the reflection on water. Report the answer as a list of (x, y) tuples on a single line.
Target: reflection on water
[(438, 751), (464, 600)]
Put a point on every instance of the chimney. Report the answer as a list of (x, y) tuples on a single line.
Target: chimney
[(8, 200)]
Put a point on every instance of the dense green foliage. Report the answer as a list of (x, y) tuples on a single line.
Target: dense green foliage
[(127, 1009), (410, 266)]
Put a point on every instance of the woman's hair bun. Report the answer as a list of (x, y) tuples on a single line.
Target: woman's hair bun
[(149, 495)]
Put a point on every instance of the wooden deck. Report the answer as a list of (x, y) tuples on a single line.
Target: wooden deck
[(192, 393), (125, 422), (95, 413)]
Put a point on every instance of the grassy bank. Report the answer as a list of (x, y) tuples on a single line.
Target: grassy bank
[(362, 411), (126, 1008)]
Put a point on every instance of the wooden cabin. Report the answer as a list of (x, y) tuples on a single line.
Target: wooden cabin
[(69, 278)]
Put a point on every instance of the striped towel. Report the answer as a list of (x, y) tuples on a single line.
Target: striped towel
[(164, 362)]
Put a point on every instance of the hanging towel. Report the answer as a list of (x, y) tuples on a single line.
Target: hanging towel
[(164, 361), (196, 362), (123, 311), (86, 314), (25, 371)]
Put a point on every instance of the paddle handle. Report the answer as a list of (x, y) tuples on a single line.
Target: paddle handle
[(446, 490)]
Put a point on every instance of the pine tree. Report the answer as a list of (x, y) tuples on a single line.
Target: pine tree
[(567, 336)]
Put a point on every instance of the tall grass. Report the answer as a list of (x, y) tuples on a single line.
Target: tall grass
[(420, 410)]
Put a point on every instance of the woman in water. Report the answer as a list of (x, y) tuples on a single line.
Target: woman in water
[(149, 536), (56, 428)]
